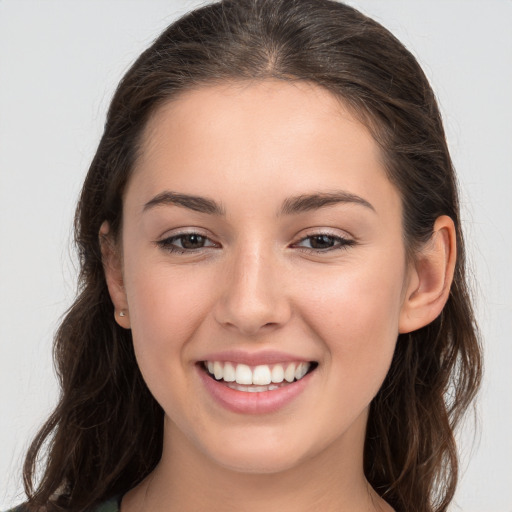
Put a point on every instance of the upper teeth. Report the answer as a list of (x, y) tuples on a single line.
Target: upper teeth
[(260, 375)]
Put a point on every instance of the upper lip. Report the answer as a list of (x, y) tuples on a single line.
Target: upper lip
[(254, 358)]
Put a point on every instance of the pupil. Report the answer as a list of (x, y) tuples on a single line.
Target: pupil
[(192, 241), (322, 242)]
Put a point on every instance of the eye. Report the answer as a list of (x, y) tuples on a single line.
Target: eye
[(322, 242), (186, 242)]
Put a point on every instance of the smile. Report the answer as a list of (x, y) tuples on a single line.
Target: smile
[(259, 389), (258, 378)]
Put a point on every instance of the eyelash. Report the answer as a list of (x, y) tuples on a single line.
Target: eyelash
[(340, 242), (168, 243)]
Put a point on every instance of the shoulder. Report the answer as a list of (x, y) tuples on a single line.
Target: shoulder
[(111, 505)]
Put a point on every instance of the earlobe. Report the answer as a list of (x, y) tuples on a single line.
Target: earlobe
[(112, 267), (432, 276)]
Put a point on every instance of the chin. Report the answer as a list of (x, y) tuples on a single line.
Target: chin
[(259, 451), (263, 462)]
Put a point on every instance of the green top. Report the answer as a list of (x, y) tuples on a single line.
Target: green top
[(111, 505)]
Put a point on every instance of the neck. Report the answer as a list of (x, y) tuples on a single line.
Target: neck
[(187, 480)]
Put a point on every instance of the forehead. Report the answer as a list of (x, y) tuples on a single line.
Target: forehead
[(259, 137), (216, 113)]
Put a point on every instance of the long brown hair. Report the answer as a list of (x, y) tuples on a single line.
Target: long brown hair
[(105, 435)]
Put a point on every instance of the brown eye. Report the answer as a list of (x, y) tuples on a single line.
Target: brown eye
[(192, 241), (324, 242), (186, 242)]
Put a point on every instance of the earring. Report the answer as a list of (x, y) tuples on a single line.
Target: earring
[(122, 313)]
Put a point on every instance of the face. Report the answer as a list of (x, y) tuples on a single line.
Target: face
[(261, 240)]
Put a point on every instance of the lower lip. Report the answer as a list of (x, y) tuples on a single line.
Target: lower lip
[(263, 402)]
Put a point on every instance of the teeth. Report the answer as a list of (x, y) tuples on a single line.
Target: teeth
[(261, 375), (218, 370), (243, 374), (301, 370), (229, 373), (289, 373), (278, 373), (254, 389)]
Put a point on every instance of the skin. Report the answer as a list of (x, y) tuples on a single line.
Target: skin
[(258, 285)]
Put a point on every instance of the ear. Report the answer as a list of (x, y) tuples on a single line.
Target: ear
[(112, 266), (431, 277)]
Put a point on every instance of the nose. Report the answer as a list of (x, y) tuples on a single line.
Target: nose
[(253, 296)]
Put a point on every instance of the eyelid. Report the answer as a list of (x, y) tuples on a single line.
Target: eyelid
[(342, 241), (188, 230), (345, 239), (165, 242)]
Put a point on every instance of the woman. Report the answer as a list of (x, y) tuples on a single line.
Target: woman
[(273, 306)]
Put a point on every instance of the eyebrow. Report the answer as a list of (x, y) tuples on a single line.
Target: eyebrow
[(196, 203), (291, 206), (308, 202)]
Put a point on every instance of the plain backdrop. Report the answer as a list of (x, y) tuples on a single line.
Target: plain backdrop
[(59, 63)]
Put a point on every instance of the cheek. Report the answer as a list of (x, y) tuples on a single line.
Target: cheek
[(165, 313), (355, 314), (166, 309), (357, 299), (155, 305)]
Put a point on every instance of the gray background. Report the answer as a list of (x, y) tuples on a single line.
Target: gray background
[(59, 63)]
